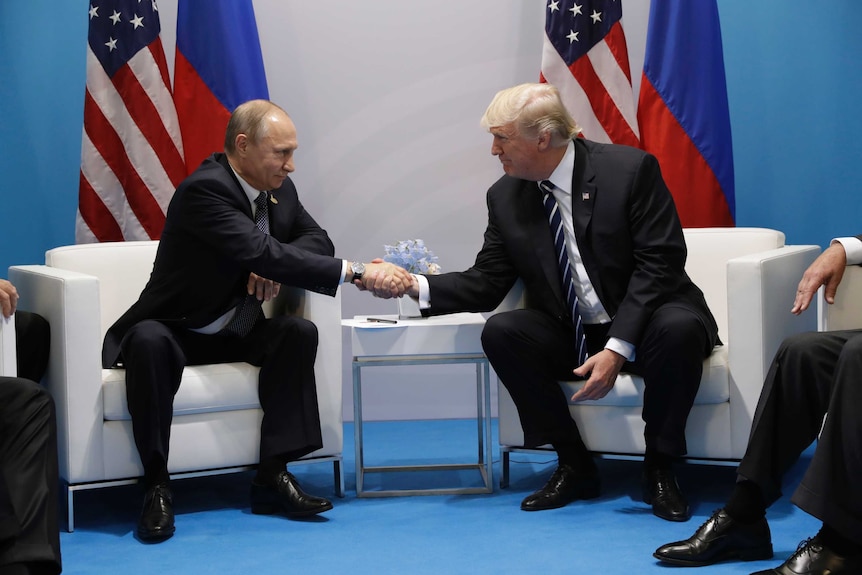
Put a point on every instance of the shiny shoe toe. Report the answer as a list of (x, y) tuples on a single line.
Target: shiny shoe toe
[(661, 490), (812, 558), (564, 486), (156, 522), (286, 496), (720, 538)]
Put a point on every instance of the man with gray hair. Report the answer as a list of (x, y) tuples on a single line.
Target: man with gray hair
[(235, 231), (606, 290)]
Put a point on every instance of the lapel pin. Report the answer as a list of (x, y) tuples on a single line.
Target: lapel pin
[(585, 196), (272, 199)]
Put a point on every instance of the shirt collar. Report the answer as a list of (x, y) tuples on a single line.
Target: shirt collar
[(562, 175), (250, 192)]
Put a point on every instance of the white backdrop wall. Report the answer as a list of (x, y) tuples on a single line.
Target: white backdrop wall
[(387, 96)]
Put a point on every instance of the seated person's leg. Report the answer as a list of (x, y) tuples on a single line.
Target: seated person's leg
[(33, 342), (29, 534)]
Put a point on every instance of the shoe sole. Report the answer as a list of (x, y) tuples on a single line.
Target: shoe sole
[(581, 495), (753, 554), (271, 509), (155, 536)]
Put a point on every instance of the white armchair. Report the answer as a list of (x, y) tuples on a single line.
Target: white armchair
[(8, 362), (81, 291), (846, 312), (749, 278)]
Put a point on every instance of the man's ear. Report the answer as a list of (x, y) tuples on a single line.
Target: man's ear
[(543, 142), (241, 143)]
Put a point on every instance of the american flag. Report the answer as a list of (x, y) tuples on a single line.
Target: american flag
[(586, 58), (132, 153)]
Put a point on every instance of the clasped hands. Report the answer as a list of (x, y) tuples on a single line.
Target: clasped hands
[(386, 280)]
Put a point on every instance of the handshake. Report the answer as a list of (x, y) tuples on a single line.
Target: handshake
[(386, 280)]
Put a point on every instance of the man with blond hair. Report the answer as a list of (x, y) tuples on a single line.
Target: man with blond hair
[(592, 231)]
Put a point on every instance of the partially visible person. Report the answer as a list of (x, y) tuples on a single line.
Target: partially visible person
[(813, 375), (593, 232), (235, 231), (29, 534), (32, 334)]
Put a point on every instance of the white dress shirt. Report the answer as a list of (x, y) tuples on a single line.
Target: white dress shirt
[(590, 307)]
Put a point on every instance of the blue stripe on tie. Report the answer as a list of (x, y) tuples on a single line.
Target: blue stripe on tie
[(556, 223)]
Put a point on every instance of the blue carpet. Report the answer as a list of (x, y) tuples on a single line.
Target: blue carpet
[(454, 534)]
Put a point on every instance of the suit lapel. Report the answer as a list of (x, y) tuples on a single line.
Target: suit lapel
[(584, 192)]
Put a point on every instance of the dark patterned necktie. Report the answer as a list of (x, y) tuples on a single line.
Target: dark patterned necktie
[(556, 222), (248, 310)]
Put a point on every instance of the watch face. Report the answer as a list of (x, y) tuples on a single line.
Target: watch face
[(358, 268)]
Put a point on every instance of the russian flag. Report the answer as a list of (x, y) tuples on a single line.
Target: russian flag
[(683, 112), (218, 66)]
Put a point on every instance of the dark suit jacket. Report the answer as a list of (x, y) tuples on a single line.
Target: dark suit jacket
[(209, 246), (628, 233)]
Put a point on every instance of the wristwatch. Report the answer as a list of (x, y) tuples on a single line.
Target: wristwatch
[(358, 268)]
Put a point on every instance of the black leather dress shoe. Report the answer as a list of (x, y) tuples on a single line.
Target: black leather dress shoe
[(564, 486), (157, 515), (718, 539), (812, 558), (661, 490), (286, 496)]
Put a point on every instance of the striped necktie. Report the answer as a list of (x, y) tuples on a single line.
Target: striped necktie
[(248, 310), (558, 233)]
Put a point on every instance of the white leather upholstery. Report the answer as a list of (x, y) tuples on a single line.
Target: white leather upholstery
[(749, 278), (846, 312), (81, 291), (8, 363)]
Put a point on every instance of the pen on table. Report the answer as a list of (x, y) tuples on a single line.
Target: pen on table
[(380, 320)]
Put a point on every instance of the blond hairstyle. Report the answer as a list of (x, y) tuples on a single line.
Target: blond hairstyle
[(534, 109), (248, 118)]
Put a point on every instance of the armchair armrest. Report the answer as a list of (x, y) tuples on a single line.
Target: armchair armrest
[(760, 292), (324, 312), (8, 361), (846, 312), (70, 302)]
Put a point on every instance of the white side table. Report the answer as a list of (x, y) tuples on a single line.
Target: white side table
[(448, 339)]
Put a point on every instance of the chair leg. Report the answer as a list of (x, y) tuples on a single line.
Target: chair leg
[(504, 464), (70, 507), (338, 471)]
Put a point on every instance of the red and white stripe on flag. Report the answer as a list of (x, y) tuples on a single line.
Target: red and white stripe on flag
[(132, 153), (586, 58)]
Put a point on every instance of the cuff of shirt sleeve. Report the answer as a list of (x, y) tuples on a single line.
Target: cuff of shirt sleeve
[(424, 291), (343, 272), (853, 249), (621, 347)]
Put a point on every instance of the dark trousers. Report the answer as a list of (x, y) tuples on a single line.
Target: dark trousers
[(812, 375), (284, 347), (33, 339), (29, 532), (531, 352)]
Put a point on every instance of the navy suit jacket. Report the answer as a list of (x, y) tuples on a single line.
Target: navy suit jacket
[(628, 233), (209, 246)]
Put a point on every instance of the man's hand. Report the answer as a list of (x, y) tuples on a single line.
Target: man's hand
[(602, 370), (385, 280), (262, 288), (827, 270), (8, 298)]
